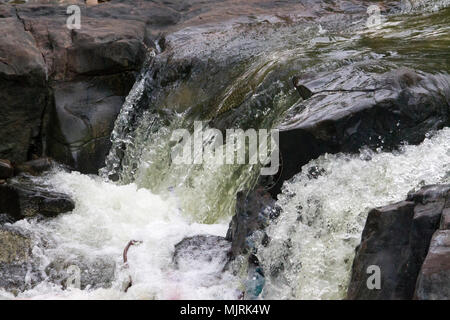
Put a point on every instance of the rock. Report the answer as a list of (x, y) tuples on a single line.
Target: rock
[(405, 106), (433, 282), (396, 238), (35, 167), (95, 272), (15, 260), (254, 210), (21, 197), (85, 112), (23, 90), (6, 169), (14, 247), (201, 248)]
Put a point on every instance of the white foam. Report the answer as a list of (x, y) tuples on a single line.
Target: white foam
[(322, 219), (106, 217)]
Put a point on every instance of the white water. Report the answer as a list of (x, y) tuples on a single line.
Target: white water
[(334, 208), (322, 219), (106, 217)]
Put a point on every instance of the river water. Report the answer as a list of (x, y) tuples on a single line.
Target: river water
[(160, 203)]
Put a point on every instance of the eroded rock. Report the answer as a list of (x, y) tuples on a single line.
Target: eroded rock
[(396, 238), (16, 268), (21, 197), (6, 169)]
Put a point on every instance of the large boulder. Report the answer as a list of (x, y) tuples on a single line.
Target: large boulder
[(6, 169), (396, 238), (433, 282), (404, 106)]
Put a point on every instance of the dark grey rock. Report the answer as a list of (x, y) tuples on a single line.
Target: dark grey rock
[(254, 210), (405, 106), (21, 197), (433, 282), (35, 167)]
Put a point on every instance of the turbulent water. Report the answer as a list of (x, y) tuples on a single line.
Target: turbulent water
[(313, 242), (160, 203)]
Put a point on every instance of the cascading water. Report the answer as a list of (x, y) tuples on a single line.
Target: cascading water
[(313, 241), (246, 85)]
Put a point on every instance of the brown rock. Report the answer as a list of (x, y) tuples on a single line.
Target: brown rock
[(35, 167), (396, 238)]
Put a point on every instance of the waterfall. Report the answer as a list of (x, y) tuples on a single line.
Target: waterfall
[(239, 79)]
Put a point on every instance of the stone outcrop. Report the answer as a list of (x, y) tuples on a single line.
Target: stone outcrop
[(396, 238), (15, 261), (6, 169), (22, 197), (205, 248), (62, 89), (404, 107)]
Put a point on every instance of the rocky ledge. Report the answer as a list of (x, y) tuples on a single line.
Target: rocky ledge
[(410, 242)]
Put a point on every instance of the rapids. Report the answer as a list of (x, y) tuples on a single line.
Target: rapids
[(141, 195)]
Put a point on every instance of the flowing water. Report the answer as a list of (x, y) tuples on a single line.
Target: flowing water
[(142, 195)]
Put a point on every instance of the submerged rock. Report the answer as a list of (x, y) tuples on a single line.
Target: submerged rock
[(206, 248), (254, 210), (16, 268), (396, 238), (22, 197)]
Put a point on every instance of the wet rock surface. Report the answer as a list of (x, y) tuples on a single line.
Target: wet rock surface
[(200, 248), (52, 75), (22, 197), (254, 210), (405, 106), (6, 169), (396, 238), (16, 267)]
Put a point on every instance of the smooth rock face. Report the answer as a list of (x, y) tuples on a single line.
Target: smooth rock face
[(397, 238), (405, 108), (205, 248), (84, 112), (23, 92), (21, 198), (433, 282)]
